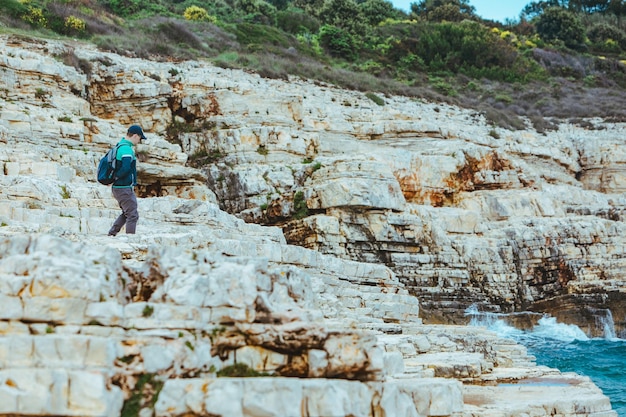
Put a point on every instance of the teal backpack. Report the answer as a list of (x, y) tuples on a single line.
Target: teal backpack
[(107, 166)]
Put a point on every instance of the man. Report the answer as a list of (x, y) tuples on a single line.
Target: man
[(125, 180)]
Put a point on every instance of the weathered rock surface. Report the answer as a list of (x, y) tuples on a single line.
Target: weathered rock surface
[(407, 199)]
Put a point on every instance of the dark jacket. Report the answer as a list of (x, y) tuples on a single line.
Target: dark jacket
[(126, 173)]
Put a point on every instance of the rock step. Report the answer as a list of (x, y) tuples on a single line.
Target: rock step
[(138, 315), (310, 397), (566, 395), (458, 365), (58, 392), (58, 351)]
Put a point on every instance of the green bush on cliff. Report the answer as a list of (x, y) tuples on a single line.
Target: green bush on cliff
[(13, 8), (144, 395)]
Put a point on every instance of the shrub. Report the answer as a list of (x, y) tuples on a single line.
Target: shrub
[(337, 42), (376, 11), (13, 8), (35, 17), (559, 24), (300, 208), (447, 12), (468, 47), (344, 14), (296, 21), (135, 8), (196, 13), (257, 11), (376, 99), (74, 26), (607, 38)]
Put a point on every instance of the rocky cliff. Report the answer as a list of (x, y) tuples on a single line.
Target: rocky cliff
[(291, 230)]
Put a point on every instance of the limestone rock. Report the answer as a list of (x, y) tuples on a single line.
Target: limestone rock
[(409, 210)]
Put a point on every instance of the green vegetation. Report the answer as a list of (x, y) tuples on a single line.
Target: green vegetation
[(147, 311), (300, 210), (376, 99), (144, 395), (262, 150), (439, 50), (239, 370), (204, 157), (65, 193)]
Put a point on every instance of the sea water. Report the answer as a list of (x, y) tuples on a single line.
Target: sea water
[(568, 349)]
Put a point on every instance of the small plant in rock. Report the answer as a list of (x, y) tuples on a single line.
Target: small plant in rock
[(144, 395), (41, 94), (299, 206), (203, 157), (66, 119), (147, 311), (494, 134), (126, 359), (65, 193), (239, 370), (216, 331), (262, 150)]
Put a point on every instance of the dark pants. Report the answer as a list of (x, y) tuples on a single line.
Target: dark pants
[(128, 203)]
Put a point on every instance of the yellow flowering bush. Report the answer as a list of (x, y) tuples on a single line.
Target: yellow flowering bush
[(74, 24), (196, 13), (35, 17)]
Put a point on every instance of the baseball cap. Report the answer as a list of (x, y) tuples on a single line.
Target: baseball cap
[(136, 129)]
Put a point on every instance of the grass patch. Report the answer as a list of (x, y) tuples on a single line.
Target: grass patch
[(376, 99)]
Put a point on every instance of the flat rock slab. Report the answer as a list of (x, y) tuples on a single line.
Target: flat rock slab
[(562, 395)]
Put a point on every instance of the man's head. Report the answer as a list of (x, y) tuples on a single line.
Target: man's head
[(135, 132)]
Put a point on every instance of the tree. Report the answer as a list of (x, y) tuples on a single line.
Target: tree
[(311, 7), (559, 24), (607, 38), (536, 8), (257, 11), (588, 6), (337, 42), (344, 14), (375, 11), (425, 7), (617, 7)]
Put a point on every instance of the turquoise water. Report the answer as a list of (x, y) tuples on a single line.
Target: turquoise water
[(604, 361), (567, 348)]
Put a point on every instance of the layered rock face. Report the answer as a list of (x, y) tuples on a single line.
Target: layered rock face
[(463, 213), (388, 208)]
